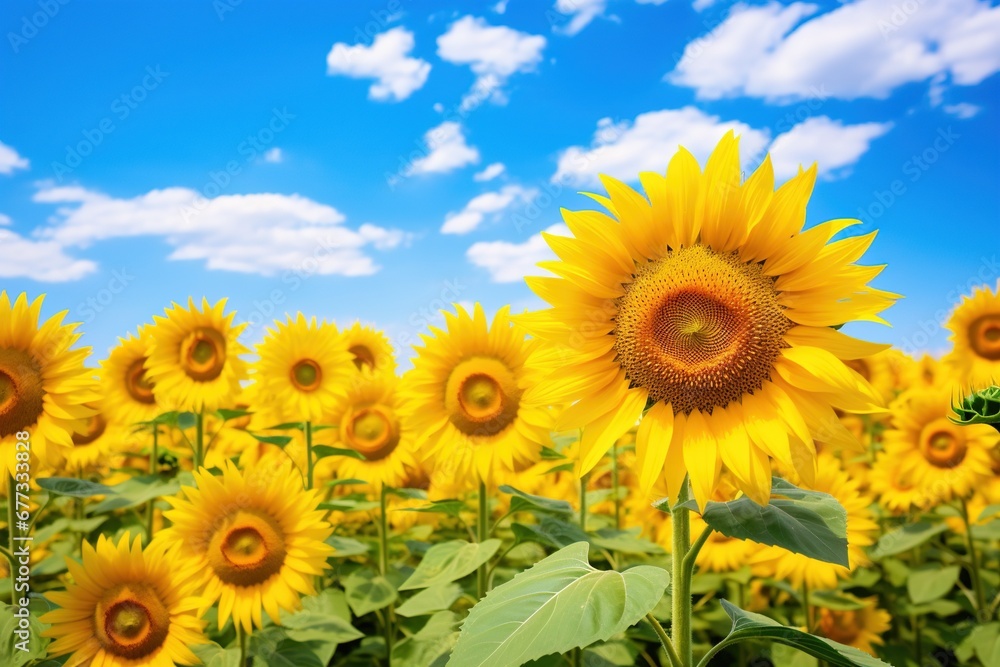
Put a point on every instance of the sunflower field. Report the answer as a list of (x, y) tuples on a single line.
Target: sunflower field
[(682, 461)]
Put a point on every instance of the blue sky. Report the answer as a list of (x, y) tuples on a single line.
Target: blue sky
[(344, 159)]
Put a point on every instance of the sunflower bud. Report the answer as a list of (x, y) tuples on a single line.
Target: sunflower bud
[(979, 407)]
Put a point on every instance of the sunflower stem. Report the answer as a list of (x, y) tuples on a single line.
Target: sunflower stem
[(78, 515), (675, 661), (680, 584), (310, 464), (614, 485), (583, 501), (483, 534), (977, 583), (807, 606), (11, 533), (154, 462), (384, 567), (199, 440), (244, 637)]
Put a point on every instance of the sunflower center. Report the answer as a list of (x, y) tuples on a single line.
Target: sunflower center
[(699, 329), (482, 397), (94, 429), (363, 356), (132, 621), (306, 375), (247, 549), (203, 354), (840, 626), (942, 445), (984, 336), (372, 431), (21, 392), (136, 383)]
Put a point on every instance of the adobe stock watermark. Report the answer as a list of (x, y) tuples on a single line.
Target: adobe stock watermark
[(98, 302), (121, 108), (32, 23)]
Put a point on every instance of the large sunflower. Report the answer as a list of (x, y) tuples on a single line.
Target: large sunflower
[(125, 383), (706, 303), (369, 422), (303, 367), (466, 393), (128, 607), (194, 361), (861, 628), (44, 386), (975, 334), (370, 349), (256, 535)]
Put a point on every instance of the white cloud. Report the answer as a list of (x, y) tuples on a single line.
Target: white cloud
[(10, 160), (44, 261), (511, 262), (387, 61), (829, 142), (5, 220), (493, 53), (500, 7), (490, 172), (274, 155), (962, 110), (702, 5), (262, 233), (624, 149), (580, 13), (446, 150), (487, 204), (865, 48)]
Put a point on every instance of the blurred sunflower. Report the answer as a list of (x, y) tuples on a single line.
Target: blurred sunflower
[(708, 303), (881, 370), (44, 386), (94, 443), (256, 535), (946, 460), (369, 422), (370, 349), (466, 396), (895, 487), (923, 372), (128, 607), (975, 335), (861, 628), (194, 360), (125, 383), (303, 366)]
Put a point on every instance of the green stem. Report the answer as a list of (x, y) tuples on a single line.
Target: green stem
[(199, 440), (680, 577), (483, 534), (583, 502), (664, 640), (244, 637), (977, 582), (11, 532), (384, 568), (310, 464), (614, 485), (154, 467), (78, 515), (807, 606)]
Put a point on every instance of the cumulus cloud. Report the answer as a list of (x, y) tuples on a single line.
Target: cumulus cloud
[(509, 262), (493, 53), (44, 261), (10, 160), (579, 14), (962, 110), (491, 204), (865, 48), (626, 148), (387, 60), (260, 234), (490, 172), (829, 142), (446, 150)]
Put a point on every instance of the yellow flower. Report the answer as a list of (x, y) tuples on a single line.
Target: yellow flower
[(44, 386), (707, 301), (975, 335), (125, 383), (257, 537), (860, 628), (466, 394), (98, 439), (881, 370), (194, 362), (302, 369), (370, 349), (369, 422), (128, 607), (895, 487), (923, 372), (946, 460)]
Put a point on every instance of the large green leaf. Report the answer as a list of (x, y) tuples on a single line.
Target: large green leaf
[(810, 523), (11, 645), (559, 604), (550, 532), (368, 592), (318, 621), (431, 600), (747, 625), (430, 645), (137, 491), (931, 582), (71, 486), (521, 501), (449, 561), (213, 655), (905, 538)]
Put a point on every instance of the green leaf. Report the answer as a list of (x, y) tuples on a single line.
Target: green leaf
[(550, 532), (227, 415), (10, 652), (213, 655), (905, 538), (985, 640), (288, 426), (931, 582), (625, 541), (186, 420), (307, 625), (368, 592), (323, 451), (430, 600), (345, 482), (836, 601), (451, 507), (810, 523), (276, 440), (559, 604), (346, 547), (71, 486), (525, 501), (747, 625), (272, 648), (448, 561), (349, 505), (428, 647), (137, 491)]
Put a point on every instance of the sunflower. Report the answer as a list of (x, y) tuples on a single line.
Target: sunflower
[(44, 386), (706, 303), (861, 628), (124, 381), (99, 438), (128, 607), (194, 360), (946, 460), (923, 372), (881, 370), (975, 335), (369, 422), (467, 397), (896, 488), (256, 535), (302, 368), (370, 349)]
